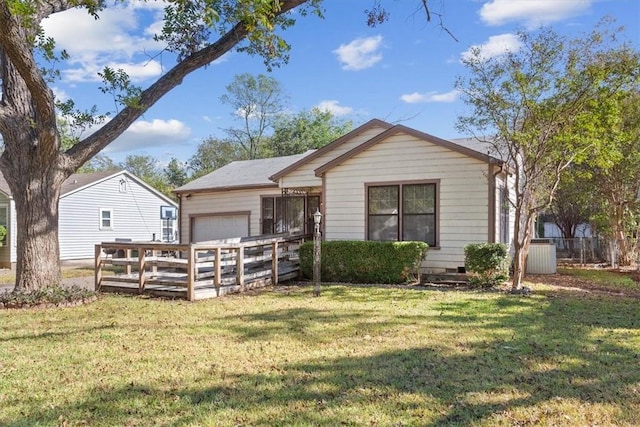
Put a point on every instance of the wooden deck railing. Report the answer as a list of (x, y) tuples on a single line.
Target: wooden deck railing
[(198, 270)]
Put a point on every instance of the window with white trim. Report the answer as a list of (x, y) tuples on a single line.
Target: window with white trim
[(106, 219), (402, 212), (169, 230)]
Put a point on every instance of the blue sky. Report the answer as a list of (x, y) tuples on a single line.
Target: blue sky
[(402, 71)]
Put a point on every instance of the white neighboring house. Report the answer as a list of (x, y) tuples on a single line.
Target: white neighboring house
[(97, 207), (378, 182), (551, 230)]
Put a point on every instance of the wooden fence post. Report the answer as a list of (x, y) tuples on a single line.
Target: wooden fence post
[(98, 268), (240, 266), (141, 268), (274, 263), (217, 278), (191, 267)]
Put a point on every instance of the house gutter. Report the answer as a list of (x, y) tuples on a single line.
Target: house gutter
[(492, 198)]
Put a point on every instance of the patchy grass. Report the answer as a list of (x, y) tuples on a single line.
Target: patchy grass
[(46, 298), (604, 280), (354, 356), (8, 277)]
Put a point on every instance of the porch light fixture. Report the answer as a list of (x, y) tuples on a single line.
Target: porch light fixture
[(317, 217)]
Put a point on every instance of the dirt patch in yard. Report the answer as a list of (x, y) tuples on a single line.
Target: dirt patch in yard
[(571, 282)]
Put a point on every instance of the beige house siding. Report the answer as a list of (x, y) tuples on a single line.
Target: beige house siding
[(462, 192), (304, 176), (222, 202)]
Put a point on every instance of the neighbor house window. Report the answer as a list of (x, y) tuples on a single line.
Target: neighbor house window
[(106, 219), (168, 230), (288, 214), (402, 212), (504, 215)]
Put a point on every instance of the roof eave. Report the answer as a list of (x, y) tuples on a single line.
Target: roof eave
[(369, 125), (225, 188)]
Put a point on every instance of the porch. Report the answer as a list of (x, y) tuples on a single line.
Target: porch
[(199, 270)]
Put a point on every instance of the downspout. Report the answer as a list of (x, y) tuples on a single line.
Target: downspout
[(179, 218), (492, 199)]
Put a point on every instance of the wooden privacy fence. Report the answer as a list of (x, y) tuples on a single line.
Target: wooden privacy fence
[(198, 270)]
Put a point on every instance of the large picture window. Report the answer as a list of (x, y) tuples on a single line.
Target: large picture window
[(288, 214), (402, 212)]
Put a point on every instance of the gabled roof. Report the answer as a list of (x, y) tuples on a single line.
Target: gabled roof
[(80, 181), (242, 174), (397, 129), (71, 184), (375, 123)]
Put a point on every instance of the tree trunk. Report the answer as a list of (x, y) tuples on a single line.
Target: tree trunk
[(38, 261), (522, 239), (35, 188)]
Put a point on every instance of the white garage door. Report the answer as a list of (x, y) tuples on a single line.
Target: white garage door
[(219, 227)]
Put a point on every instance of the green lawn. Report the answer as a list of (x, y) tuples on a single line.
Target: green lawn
[(356, 356)]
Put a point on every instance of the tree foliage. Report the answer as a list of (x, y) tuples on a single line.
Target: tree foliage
[(306, 130), (213, 153), (34, 161), (255, 102), (535, 107), (615, 183)]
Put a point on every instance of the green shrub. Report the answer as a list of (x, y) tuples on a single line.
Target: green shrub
[(365, 261), (487, 264), (3, 234)]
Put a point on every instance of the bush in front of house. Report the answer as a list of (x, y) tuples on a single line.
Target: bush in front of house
[(3, 234), (365, 261), (487, 264)]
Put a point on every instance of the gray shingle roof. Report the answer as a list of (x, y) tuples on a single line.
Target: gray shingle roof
[(477, 145), (75, 181), (243, 173)]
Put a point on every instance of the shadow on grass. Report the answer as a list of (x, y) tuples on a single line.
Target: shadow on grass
[(416, 386), (61, 335)]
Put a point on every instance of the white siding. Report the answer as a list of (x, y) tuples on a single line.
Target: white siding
[(136, 216), (305, 176), (463, 193), (223, 202)]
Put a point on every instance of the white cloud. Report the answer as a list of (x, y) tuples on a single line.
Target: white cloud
[(531, 12), (333, 107), (359, 54), (60, 94), (118, 37), (415, 97), (495, 46), (148, 134)]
